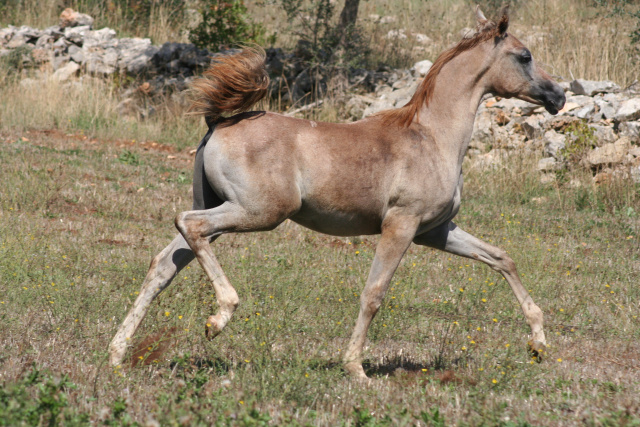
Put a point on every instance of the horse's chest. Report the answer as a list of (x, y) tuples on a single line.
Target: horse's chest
[(441, 206)]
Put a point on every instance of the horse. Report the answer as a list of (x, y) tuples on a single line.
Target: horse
[(397, 173)]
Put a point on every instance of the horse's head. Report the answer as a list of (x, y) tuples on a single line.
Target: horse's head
[(513, 71)]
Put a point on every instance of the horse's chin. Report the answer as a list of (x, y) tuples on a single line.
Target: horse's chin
[(551, 109)]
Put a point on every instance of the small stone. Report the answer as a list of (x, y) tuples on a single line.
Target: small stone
[(396, 35), (607, 107), (422, 38), (421, 68), (16, 41), (389, 19), (65, 72), (549, 164), (532, 126), (591, 87), (586, 112), (554, 144), (135, 54)]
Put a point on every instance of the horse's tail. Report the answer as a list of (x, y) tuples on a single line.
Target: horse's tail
[(232, 84)]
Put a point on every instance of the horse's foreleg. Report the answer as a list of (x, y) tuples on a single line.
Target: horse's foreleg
[(163, 269), (451, 238), (397, 234)]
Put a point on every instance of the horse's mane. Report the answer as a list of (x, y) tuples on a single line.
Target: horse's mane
[(403, 116)]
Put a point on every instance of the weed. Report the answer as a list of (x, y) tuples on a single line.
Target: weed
[(36, 399), (581, 139), (129, 158), (433, 418)]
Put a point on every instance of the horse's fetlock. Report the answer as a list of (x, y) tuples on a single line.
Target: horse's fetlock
[(234, 302)]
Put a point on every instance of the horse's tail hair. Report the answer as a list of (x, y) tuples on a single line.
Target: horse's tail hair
[(232, 84)]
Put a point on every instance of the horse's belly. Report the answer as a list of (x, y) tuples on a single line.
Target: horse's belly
[(337, 223)]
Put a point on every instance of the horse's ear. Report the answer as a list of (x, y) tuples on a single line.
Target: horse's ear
[(482, 23), (503, 24), (480, 18)]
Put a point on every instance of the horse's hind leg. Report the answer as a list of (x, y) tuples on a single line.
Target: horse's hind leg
[(199, 228), (450, 238), (163, 269)]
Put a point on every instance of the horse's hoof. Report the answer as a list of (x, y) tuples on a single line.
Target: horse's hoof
[(537, 350), (211, 329), (116, 354)]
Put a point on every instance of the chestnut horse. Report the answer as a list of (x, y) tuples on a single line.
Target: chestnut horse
[(397, 173)]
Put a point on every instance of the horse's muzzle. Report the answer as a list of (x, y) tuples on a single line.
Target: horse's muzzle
[(552, 97)]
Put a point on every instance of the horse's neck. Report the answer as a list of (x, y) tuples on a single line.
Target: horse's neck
[(452, 108)]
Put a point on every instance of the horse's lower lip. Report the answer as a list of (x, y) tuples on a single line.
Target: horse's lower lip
[(551, 109)]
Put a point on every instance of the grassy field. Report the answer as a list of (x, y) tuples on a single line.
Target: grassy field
[(87, 198), (80, 219)]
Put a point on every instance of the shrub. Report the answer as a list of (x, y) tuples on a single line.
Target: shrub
[(225, 24)]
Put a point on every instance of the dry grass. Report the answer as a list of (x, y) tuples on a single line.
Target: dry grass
[(91, 106)]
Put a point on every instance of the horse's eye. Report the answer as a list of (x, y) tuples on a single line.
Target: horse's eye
[(525, 56)]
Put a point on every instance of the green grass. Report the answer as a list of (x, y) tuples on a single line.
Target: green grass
[(80, 219)]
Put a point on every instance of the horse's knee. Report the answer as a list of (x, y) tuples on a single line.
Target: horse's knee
[(503, 262)]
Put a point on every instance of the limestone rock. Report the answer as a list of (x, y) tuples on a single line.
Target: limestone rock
[(628, 110), (422, 38), (549, 164), (99, 50), (533, 126), (64, 73), (603, 134), (591, 87), (76, 54), (135, 54), (609, 154), (76, 34), (516, 106), (396, 35), (104, 38), (631, 130), (554, 144), (71, 18), (482, 132), (607, 105)]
